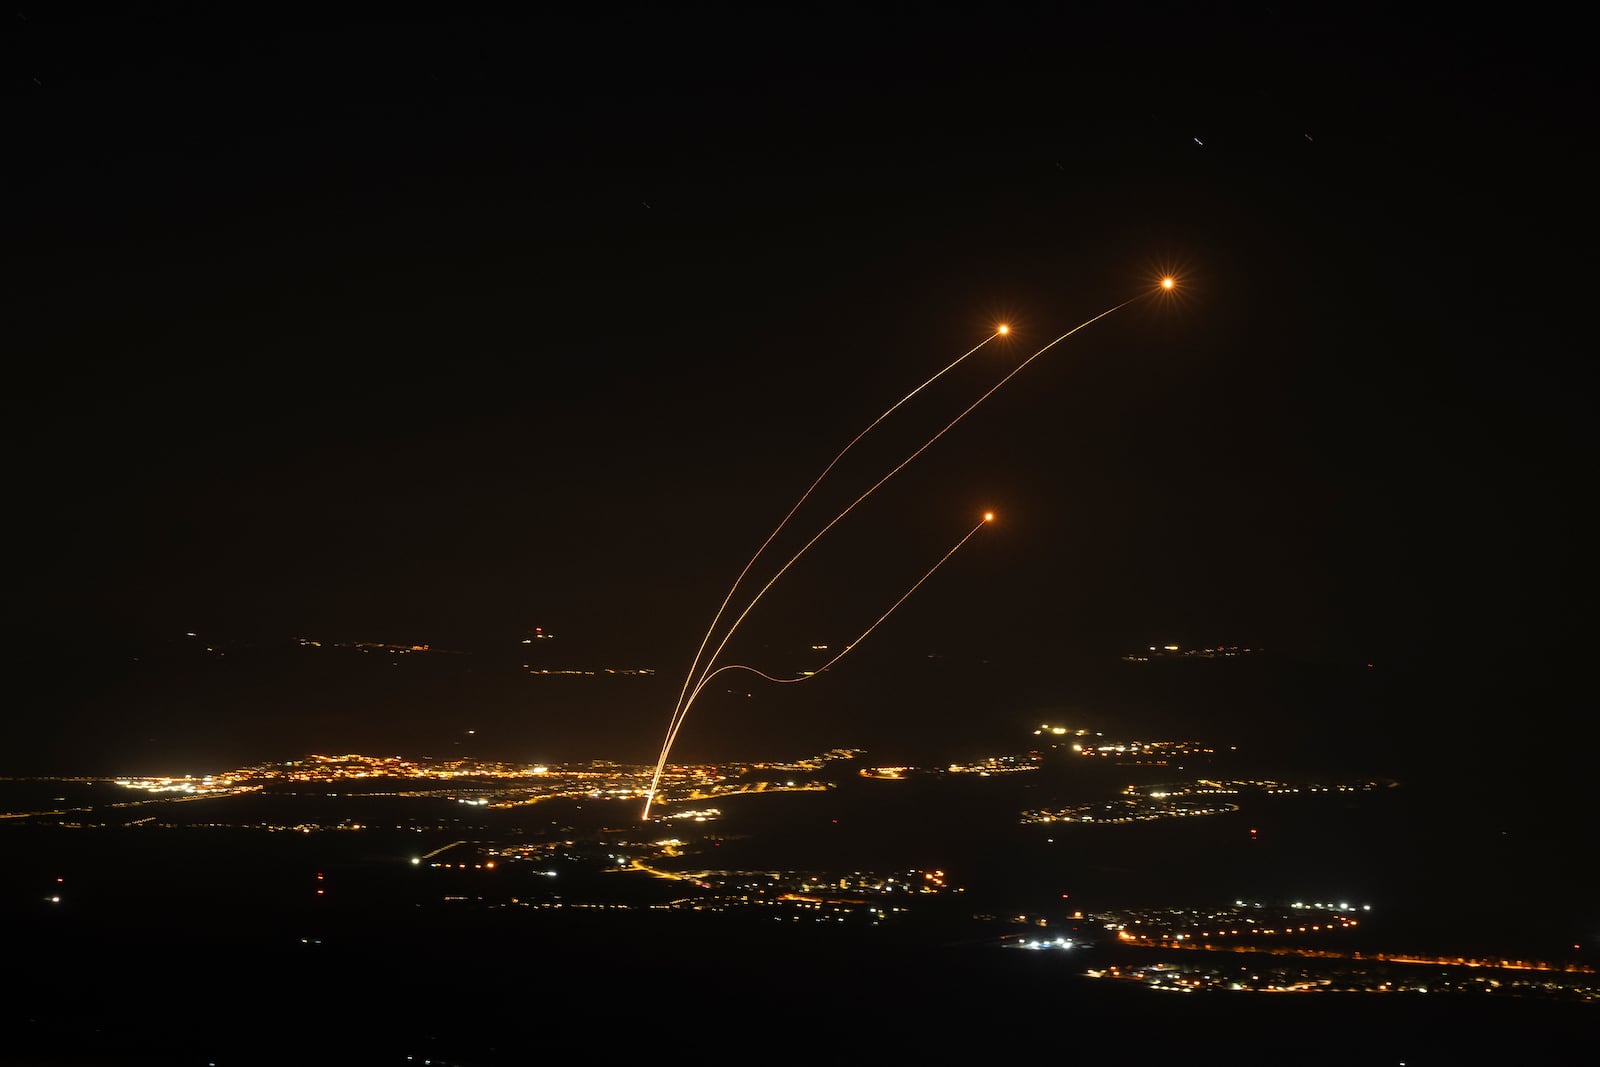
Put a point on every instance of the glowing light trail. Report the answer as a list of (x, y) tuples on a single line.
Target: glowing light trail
[(682, 710), (689, 679), (679, 711), (988, 517)]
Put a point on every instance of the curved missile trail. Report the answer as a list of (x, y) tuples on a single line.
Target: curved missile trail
[(650, 797), (694, 664), (845, 651), (682, 710)]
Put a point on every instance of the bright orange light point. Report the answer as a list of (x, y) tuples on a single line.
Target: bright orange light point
[(988, 516), (1002, 329), (1168, 283)]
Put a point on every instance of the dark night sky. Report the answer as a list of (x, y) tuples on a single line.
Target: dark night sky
[(435, 329)]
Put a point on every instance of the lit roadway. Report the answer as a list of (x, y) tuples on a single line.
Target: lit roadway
[(441, 848), (640, 865)]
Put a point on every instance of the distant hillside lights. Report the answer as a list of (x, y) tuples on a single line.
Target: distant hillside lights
[(207, 784), (1178, 652), (997, 765), (1147, 803), (1089, 743), (374, 646), (1046, 730)]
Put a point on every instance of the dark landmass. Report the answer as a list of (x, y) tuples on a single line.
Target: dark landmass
[(197, 935)]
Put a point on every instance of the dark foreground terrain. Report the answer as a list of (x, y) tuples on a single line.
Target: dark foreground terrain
[(199, 946)]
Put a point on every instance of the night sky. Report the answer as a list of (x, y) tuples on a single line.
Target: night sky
[(436, 329)]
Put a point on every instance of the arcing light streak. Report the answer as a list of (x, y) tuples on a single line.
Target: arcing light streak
[(682, 711), (846, 650), (678, 710), (650, 797)]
